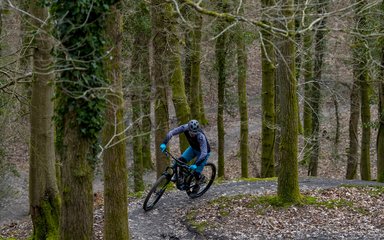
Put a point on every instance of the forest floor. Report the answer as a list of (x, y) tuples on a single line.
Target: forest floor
[(332, 209)]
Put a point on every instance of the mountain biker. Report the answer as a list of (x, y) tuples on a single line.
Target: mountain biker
[(199, 147)]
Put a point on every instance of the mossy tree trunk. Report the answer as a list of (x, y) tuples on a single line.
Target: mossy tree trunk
[(43, 191), (203, 117), (268, 65), (76, 183), (140, 89), (221, 64), (195, 59), (380, 133), (188, 14), (320, 45), (308, 84), (242, 61), (79, 108), (136, 131), (300, 9), (288, 183), (176, 79), (114, 160), (141, 75), (160, 74), (361, 66), (135, 93), (192, 52)]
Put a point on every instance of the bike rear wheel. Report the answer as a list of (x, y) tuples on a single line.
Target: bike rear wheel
[(206, 179), (156, 192)]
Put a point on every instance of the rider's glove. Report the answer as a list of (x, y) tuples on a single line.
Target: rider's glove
[(192, 167), (163, 147)]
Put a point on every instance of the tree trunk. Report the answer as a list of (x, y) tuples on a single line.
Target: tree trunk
[(140, 92), (80, 105), (159, 72), (362, 68), (179, 98), (195, 58), (353, 131), (242, 61), (77, 176), (43, 191), (365, 162), (221, 55), (140, 89), (268, 66), (361, 57), (288, 183), (380, 133), (336, 142), (308, 85), (114, 161), (320, 44)]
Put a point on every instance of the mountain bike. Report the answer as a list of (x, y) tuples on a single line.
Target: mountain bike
[(184, 178)]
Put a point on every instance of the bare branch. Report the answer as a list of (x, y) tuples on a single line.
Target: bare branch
[(232, 18)]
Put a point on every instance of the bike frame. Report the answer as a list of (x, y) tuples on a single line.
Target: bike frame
[(182, 166)]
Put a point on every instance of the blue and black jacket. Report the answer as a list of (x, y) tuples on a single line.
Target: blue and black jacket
[(199, 142)]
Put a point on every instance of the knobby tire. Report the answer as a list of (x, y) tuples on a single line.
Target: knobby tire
[(210, 169), (156, 192)]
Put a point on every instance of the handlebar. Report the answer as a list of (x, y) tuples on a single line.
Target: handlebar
[(168, 154)]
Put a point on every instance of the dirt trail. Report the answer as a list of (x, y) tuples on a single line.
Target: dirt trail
[(166, 221)]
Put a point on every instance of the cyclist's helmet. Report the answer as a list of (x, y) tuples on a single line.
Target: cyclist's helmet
[(193, 126)]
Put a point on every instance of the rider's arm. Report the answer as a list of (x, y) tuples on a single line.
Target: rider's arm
[(203, 148), (174, 132)]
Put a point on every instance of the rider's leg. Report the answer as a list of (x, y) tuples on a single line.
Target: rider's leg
[(188, 154), (200, 167), (197, 173)]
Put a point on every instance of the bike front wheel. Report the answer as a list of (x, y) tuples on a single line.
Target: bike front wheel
[(197, 188), (156, 192)]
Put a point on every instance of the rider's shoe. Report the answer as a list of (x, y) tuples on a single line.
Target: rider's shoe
[(196, 189)]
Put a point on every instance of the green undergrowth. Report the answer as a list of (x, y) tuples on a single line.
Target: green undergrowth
[(197, 226)]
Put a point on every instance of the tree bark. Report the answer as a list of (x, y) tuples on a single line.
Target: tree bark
[(221, 54), (360, 75), (77, 176), (43, 190), (353, 131), (380, 133), (159, 74), (288, 183), (362, 68), (242, 61), (79, 108), (140, 88), (195, 59), (320, 44), (176, 80), (268, 66), (308, 85), (114, 161)]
